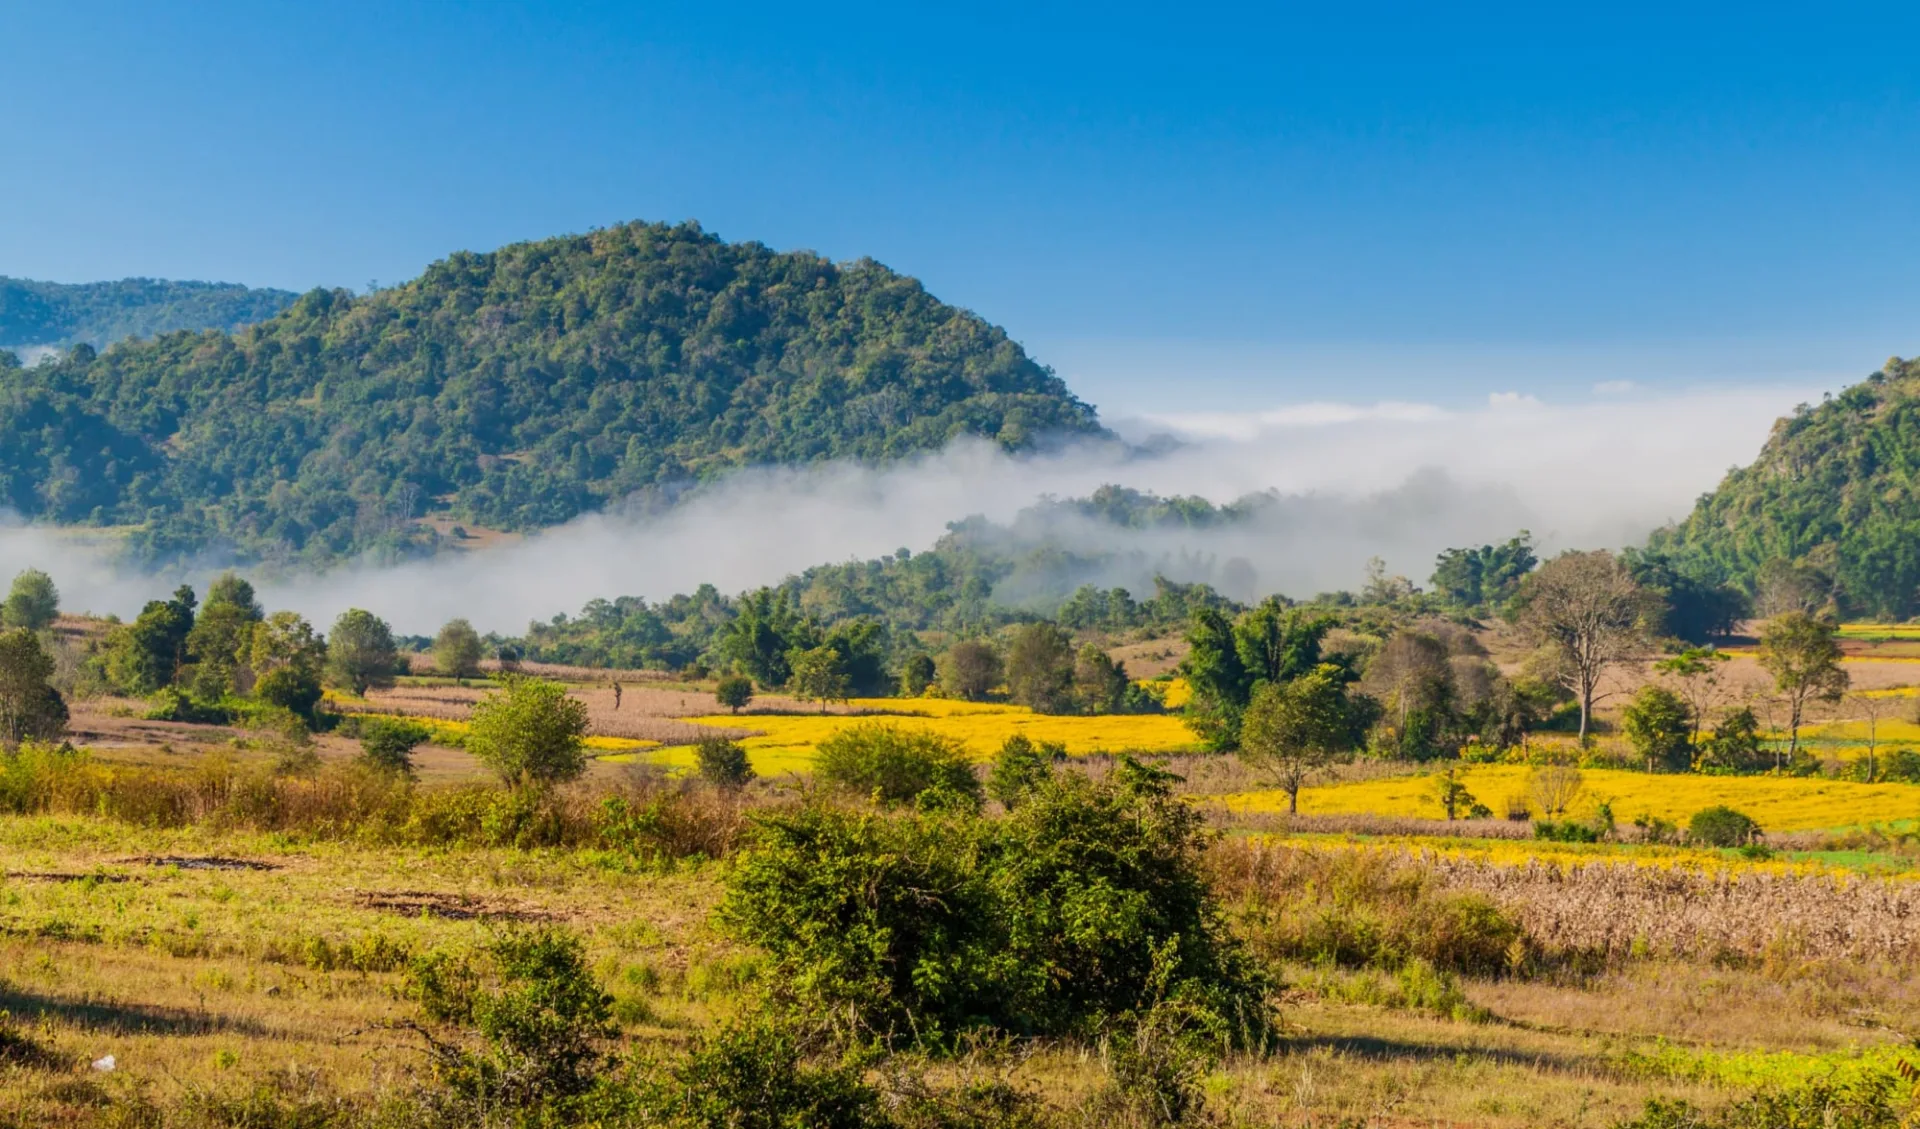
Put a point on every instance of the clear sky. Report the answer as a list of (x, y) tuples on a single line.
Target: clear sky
[(1179, 206)]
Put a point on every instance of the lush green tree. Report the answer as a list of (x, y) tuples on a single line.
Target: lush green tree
[(819, 674), (33, 602), (1735, 745), (233, 590), (222, 637), (147, 654), (723, 763), (1293, 731), (530, 733), (1802, 653), (1040, 664), (286, 639), (457, 650), (361, 653), (733, 691), (30, 708), (1661, 728), (1484, 577), (1217, 679), (1100, 685), (1696, 671), (1021, 766), (917, 674), (292, 688), (1277, 643), (970, 669), (763, 636)]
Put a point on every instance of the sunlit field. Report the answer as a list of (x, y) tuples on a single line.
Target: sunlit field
[(1777, 803)]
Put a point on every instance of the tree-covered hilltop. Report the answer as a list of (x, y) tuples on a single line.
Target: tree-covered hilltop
[(511, 390), (62, 315), (1829, 514)]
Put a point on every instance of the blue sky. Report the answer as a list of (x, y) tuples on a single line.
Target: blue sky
[(1178, 206)]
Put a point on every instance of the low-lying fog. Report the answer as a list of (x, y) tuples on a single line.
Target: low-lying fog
[(1400, 481)]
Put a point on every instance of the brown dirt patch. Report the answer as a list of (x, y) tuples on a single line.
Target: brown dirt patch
[(454, 907)]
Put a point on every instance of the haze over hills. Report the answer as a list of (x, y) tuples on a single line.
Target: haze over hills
[(58, 315), (512, 390)]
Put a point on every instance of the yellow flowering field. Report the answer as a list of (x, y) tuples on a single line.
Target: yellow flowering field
[(1541, 852), (458, 729), (1880, 631), (1780, 803), (787, 741)]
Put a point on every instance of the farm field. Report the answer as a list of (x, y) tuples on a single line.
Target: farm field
[(1777, 803)]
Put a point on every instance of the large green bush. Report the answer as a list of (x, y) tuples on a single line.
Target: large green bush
[(1722, 826), (917, 926), (893, 765)]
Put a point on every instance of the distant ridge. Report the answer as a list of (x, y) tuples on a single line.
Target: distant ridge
[(61, 315), (510, 390)]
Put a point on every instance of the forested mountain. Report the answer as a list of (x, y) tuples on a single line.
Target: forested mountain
[(1829, 514), (510, 390), (99, 313)]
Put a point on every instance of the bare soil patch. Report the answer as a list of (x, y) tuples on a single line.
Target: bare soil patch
[(454, 907)]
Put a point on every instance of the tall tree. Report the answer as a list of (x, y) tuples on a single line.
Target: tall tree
[(1660, 727), (1589, 614), (33, 601), (819, 674), (1216, 678), (30, 708), (970, 669), (1802, 653), (1040, 668), (1296, 730), (457, 650), (360, 651), (1696, 671), (531, 734)]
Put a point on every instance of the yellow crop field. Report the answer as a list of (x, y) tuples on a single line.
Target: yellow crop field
[(1880, 631), (1888, 732), (1538, 852), (458, 729), (787, 741), (1778, 803)]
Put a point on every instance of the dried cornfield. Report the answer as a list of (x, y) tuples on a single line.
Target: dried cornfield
[(1620, 909)]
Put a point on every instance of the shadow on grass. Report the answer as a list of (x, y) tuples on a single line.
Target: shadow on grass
[(1404, 1050), (125, 1019)]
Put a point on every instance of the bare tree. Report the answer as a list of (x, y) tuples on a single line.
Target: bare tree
[(1589, 613), (1873, 707)]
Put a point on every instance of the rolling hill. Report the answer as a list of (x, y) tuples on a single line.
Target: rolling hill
[(61, 315), (510, 390), (1829, 509)]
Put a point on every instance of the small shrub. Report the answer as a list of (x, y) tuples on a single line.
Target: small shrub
[(762, 1074), (170, 703), (528, 1028), (723, 763), (1565, 831), (733, 691), (1722, 826), (290, 688), (893, 765), (388, 745)]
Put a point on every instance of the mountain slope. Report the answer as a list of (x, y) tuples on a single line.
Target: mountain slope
[(512, 390), (1834, 492), (99, 313)]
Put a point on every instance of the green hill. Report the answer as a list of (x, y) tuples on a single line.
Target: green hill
[(99, 313), (1831, 507), (510, 390)]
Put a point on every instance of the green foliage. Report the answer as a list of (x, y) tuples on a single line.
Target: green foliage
[(760, 1073), (527, 1020), (917, 673), (1660, 727), (723, 763), (1021, 767), (819, 674), (1040, 668), (1722, 826), (290, 688), (1836, 488), (893, 765), (530, 733), (733, 691), (1802, 653), (145, 655), (970, 669), (32, 602), (30, 708), (360, 652), (1295, 730), (170, 703), (1217, 678), (1734, 745), (1875, 1100), (457, 650), (388, 744), (1484, 577), (1076, 909), (523, 386), (98, 314)]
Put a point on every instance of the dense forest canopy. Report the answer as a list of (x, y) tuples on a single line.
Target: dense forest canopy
[(61, 315), (510, 390), (1828, 515)]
